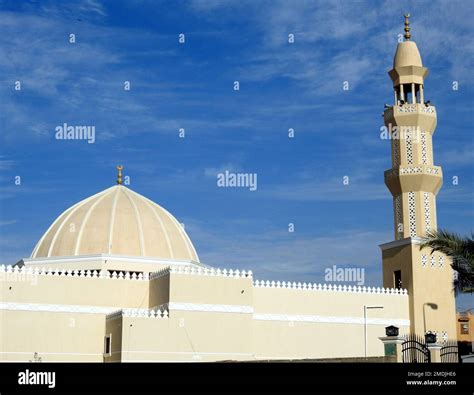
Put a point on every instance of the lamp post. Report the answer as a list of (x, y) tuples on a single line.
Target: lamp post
[(365, 325)]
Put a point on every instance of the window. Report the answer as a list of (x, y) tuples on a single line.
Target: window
[(464, 328), (108, 345), (397, 279)]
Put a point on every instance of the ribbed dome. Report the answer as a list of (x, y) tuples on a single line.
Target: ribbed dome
[(407, 54), (116, 221)]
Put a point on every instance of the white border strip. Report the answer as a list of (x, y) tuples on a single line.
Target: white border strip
[(330, 319), (57, 308), (213, 308)]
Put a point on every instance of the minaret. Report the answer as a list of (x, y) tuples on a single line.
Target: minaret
[(414, 182)]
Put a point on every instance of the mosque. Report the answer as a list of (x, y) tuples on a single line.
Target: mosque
[(116, 278)]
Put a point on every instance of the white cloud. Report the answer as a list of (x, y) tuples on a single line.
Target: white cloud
[(334, 41), (8, 222), (457, 157), (328, 190), (212, 172), (6, 164)]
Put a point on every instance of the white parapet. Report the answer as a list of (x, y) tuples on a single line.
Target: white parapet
[(104, 274), (328, 287), (201, 271), (139, 313)]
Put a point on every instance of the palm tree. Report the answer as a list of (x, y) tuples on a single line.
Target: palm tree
[(460, 250)]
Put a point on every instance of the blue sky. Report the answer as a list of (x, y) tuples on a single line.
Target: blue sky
[(190, 86)]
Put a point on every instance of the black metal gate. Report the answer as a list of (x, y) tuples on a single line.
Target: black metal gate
[(415, 350), (449, 352)]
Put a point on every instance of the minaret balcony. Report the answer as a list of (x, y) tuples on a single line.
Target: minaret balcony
[(411, 115), (410, 108), (419, 169), (401, 179)]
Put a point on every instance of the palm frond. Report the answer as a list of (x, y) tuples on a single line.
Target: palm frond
[(460, 250), (450, 244)]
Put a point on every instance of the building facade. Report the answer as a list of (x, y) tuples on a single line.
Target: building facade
[(465, 332), (91, 292), (116, 278)]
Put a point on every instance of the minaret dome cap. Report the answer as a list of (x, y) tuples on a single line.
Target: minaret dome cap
[(407, 54)]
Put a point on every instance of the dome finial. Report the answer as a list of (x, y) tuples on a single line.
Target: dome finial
[(407, 27), (119, 175)]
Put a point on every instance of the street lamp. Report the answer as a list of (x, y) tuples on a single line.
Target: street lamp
[(391, 331), (365, 325), (430, 337)]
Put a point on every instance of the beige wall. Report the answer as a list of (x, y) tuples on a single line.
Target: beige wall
[(159, 291), (425, 284), (287, 336), (74, 290), (211, 317), (302, 340), (188, 336), (330, 303), (211, 289), (114, 329), (54, 336)]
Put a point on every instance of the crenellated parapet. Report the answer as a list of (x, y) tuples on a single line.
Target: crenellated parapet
[(201, 271), (328, 287), (124, 275), (103, 274), (139, 313)]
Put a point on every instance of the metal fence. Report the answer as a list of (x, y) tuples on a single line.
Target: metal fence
[(449, 352), (415, 350)]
